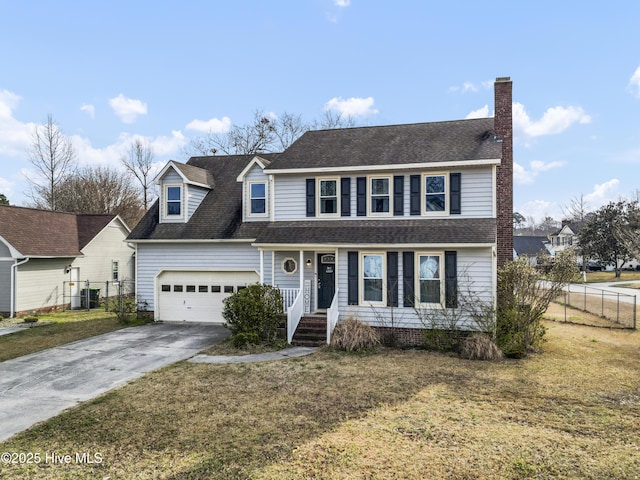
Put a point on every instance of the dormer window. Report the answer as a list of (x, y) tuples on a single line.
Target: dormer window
[(173, 201), (258, 198)]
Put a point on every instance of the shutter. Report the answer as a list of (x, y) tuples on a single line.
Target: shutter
[(414, 194), (311, 197), (345, 197), (392, 279), (361, 196), (398, 195), (451, 279), (455, 193), (408, 279), (352, 274)]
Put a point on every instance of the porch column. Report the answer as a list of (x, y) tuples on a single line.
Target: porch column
[(261, 267), (301, 269)]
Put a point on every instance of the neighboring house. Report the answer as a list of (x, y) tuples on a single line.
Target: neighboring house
[(530, 247), (566, 237), (46, 257), (370, 222)]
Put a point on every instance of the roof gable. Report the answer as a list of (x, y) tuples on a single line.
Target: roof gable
[(43, 233), (190, 174), (394, 145)]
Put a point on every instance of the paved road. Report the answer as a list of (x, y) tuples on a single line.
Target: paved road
[(626, 294), (39, 386)]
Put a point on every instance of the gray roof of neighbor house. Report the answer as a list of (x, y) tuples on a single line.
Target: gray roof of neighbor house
[(219, 216), (458, 140), (43, 233), (381, 232), (529, 245)]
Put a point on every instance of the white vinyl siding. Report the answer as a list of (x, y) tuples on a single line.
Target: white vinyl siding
[(477, 194), (475, 273), (154, 258), (195, 195), (39, 283)]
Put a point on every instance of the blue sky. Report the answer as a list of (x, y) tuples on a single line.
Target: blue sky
[(167, 71)]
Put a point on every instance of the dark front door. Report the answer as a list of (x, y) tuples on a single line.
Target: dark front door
[(326, 279)]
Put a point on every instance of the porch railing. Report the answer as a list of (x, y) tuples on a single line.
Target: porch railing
[(332, 316), (294, 314), (288, 297)]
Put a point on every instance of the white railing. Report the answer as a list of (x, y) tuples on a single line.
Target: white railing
[(288, 297), (332, 316), (294, 314)]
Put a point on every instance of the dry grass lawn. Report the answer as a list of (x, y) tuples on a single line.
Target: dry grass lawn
[(572, 411)]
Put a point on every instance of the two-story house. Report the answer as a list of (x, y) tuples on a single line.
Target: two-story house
[(370, 222)]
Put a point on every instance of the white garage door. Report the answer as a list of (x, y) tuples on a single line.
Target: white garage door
[(197, 296)]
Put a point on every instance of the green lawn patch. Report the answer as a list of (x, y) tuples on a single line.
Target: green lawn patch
[(572, 411)]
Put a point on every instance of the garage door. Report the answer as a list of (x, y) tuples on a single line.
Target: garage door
[(198, 296)]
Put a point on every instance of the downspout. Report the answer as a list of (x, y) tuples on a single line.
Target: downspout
[(14, 269)]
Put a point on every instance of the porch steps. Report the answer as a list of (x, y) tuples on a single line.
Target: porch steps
[(311, 331)]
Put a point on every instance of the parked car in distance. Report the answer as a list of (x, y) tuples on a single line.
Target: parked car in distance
[(594, 267)]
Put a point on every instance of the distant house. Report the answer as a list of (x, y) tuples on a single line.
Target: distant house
[(566, 237), (530, 247), (46, 257), (369, 222)]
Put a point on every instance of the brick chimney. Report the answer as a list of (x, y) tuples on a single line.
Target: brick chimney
[(503, 126)]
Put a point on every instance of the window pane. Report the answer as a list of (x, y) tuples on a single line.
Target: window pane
[(173, 193), (429, 291), (435, 184), (380, 204), (258, 206), (328, 188), (328, 205), (173, 208), (435, 203), (177, 288), (228, 289), (380, 186), (166, 288), (258, 190), (429, 267), (372, 266), (373, 290), (203, 288), (215, 289)]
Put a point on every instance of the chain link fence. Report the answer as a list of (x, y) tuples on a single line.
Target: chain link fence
[(88, 295), (617, 308)]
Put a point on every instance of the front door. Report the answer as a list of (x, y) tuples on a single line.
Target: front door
[(326, 279)]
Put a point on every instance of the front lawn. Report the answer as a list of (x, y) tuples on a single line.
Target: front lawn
[(600, 277), (55, 329), (571, 412)]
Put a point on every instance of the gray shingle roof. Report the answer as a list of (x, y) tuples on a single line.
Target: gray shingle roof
[(219, 216), (458, 140), (529, 245), (396, 232), (195, 174)]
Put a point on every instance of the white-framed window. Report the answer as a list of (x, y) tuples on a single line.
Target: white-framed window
[(257, 198), (115, 267), (372, 284), (380, 195), (173, 201), (434, 194), (289, 265), (429, 279), (328, 196)]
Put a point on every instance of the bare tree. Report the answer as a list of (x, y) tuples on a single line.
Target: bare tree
[(100, 190), (577, 210), (139, 161), (330, 120), (54, 158)]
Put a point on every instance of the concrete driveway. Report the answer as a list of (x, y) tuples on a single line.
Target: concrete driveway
[(39, 386)]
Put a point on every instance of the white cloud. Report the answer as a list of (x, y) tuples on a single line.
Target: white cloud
[(352, 107), (602, 193), (342, 3), (90, 109), (522, 176), (6, 188), (539, 209), (482, 112), (213, 125), (127, 109), (471, 87), (15, 136), (555, 120), (634, 83)]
